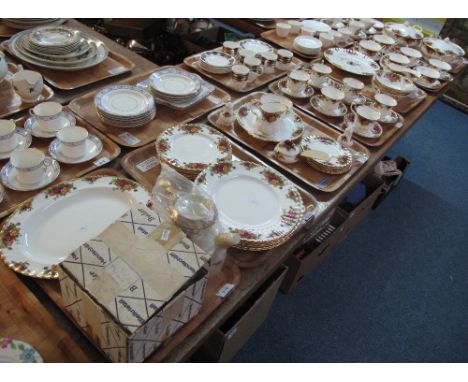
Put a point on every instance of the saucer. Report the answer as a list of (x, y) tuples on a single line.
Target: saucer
[(93, 149), (426, 85), (392, 118), (317, 104), (372, 130), (8, 177), (23, 141), (32, 126), (306, 93)]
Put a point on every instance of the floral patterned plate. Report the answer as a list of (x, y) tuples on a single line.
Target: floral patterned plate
[(45, 229), (192, 147), (256, 202), (14, 351)]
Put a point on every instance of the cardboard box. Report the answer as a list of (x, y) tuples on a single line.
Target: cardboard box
[(134, 285), (227, 340)]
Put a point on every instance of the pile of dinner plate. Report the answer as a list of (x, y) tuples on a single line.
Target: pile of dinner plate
[(125, 106), (217, 62), (57, 47), (30, 23), (174, 85)]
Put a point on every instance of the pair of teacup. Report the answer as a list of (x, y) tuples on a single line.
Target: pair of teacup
[(28, 84)]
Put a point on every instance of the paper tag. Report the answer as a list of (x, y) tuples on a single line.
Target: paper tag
[(101, 161), (224, 290), (213, 99), (147, 164), (129, 138), (117, 70), (165, 235)]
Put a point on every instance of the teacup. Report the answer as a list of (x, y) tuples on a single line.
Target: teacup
[(356, 26), (308, 31), (413, 54), (273, 111), (339, 38), (428, 75), (383, 39), (351, 88), (29, 165), (48, 115), (255, 66), (319, 74), (242, 54), (386, 104), (288, 151), (328, 39), (297, 81), (275, 98), (284, 59), (369, 48), (331, 98), (440, 65), (269, 60), (73, 141), (295, 26), (240, 73), (28, 84), (283, 29), (398, 58), (348, 32), (231, 47), (7, 135), (3, 66), (366, 114)]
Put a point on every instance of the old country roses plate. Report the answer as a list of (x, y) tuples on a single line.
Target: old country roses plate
[(351, 61), (47, 228), (254, 201)]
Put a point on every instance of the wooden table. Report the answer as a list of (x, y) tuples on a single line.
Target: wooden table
[(40, 322)]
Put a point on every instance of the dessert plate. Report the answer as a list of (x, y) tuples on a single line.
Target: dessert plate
[(9, 180), (76, 210), (351, 61), (23, 141), (31, 125), (258, 203), (192, 147), (124, 101), (93, 149), (15, 351), (175, 83)]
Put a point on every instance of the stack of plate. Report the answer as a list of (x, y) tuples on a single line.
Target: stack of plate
[(174, 85), (326, 155), (30, 23), (125, 106), (217, 62), (57, 47), (259, 204), (190, 148)]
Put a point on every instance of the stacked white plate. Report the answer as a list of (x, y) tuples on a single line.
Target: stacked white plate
[(57, 47), (30, 23), (174, 85), (126, 106), (217, 62)]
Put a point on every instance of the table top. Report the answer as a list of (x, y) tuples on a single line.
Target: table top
[(47, 328)]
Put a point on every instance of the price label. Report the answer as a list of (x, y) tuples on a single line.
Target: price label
[(165, 235), (147, 164), (101, 161), (224, 290), (213, 99), (129, 138)]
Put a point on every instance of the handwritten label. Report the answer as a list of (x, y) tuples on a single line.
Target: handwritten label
[(147, 164), (224, 290), (101, 161), (129, 138)]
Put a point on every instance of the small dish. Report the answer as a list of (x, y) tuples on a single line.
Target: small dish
[(31, 125), (93, 149)]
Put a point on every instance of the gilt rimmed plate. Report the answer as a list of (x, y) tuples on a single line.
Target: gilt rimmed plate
[(175, 83), (53, 36), (250, 118), (256, 202), (351, 61), (15, 351), (218, 60), (256, 46), (44, 230), (192, 147), (124, 101), (337, 158)]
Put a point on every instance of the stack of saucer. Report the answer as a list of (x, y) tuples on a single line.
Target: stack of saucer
[(217, 62), (125, 106)]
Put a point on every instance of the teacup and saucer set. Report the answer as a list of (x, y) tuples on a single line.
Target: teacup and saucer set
[(270, 118), (352, 88), (12, 138), (75, 145), (329, 103), (385, 104), (288, 151), (370, 48), (443, 67), (364, 120), (296, 85), (428, 79), (29, 169), (319, 74), (47, 118)]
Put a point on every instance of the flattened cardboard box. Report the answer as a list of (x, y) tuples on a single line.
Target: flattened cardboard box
[(134, 285)]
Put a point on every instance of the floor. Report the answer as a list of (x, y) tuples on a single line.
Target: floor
[(397, 289)]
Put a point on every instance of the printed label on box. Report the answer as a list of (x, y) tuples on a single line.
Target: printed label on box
[(225, 290), (129, 138), (147, 164)]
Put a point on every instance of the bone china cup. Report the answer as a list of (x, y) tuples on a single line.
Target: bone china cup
[(7, 135), (28, 84), (29, 165), (48, 115), (73, 141), (283, 29), (295, 26), (297, 81)]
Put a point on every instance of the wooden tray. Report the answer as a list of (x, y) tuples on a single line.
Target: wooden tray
[(133, 164), (336, 122), (226, 80), (287, 43), (301, 170), (10, 102), (113, 65), (6, 31), (67, 171), (165, 116)]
